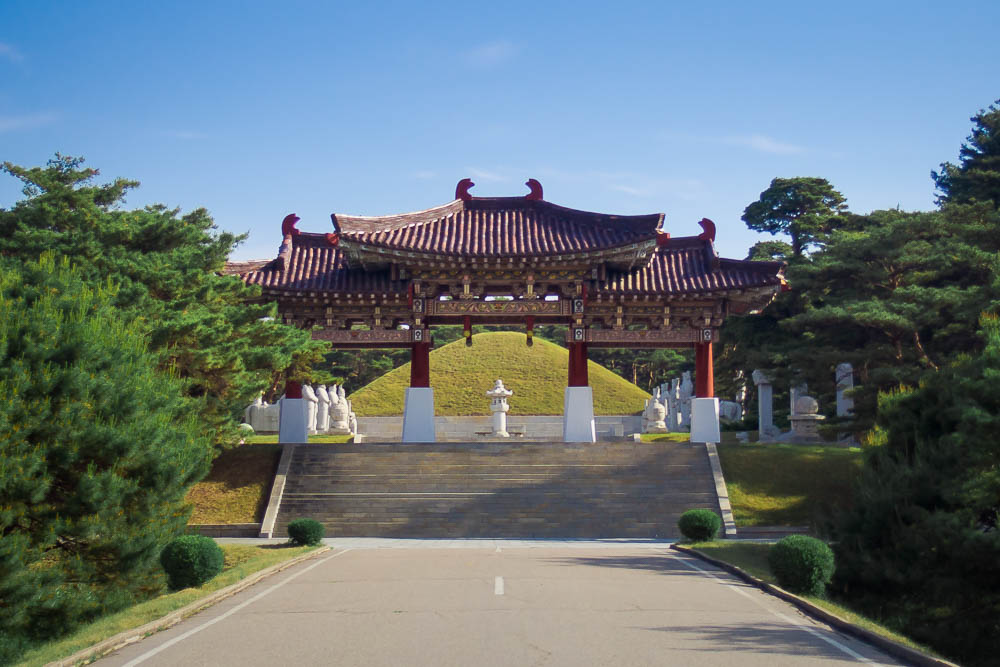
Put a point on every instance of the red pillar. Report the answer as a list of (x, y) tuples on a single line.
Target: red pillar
[(704, 374), (293, 389), (420, 365), (578, 365)]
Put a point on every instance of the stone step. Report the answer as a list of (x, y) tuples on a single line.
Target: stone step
[(497, 489)]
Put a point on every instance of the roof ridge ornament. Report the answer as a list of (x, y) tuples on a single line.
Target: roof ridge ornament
[(709, 230), (288, 225), (462, 189), (536, 190)]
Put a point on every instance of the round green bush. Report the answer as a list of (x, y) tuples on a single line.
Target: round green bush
[(699, 525), (191, 560), (305, 531), (801, 564)]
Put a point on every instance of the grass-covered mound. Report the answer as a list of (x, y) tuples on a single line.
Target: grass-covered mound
[(462, 375)]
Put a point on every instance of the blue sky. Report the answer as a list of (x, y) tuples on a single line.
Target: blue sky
[(255, 110)]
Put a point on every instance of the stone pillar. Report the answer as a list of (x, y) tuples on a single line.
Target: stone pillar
[(845, 382), (765, 413), (293, 419), (418, 413), (578, 401)]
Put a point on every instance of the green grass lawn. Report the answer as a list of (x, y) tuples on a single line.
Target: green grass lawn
[(787, 485), (241, 561), (751, 557), (462, 375)]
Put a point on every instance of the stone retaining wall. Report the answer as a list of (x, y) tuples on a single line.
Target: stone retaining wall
[(471, 429)]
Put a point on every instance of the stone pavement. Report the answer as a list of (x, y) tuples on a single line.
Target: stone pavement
[(500, 602)]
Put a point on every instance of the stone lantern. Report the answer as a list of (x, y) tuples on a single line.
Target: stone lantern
[(498, 404), (805, 421)]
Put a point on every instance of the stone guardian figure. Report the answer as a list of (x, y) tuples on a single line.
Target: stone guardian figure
[(312, 404), (323, 409)]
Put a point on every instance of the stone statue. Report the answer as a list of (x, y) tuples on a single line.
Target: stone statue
[(323, 410), (730, 411), (312, 404), (684, 399), (340, 412), (673, 406), (248, 413), (655, 415)]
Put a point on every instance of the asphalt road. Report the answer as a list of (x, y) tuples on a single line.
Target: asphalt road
[(497, 603)]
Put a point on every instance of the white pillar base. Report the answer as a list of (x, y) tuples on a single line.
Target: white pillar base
[(293, 420), (705, 420), (418, 415), (578, 415)]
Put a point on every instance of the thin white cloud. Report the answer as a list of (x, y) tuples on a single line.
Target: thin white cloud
[(26, 121), (491, 54), (186, 134), (424, 175), (765, 144), (484, 175), (10, 53), (761, 143)]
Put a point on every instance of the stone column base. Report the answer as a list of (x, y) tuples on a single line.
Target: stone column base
[(705, 420), (418, 415), (293, 420), (578, 415)]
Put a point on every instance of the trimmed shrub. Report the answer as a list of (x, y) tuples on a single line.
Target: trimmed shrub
[(802, 564), (305, 531), (191, 560), (699, 525)]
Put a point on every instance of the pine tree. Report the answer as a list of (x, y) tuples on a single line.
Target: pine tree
[(210, 330), (977, 176), (97, 449), (921, 548)]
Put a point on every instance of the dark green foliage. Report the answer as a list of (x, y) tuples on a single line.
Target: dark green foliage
[(191, 560), (205, 328), (977, 176), (97, 449), (802, 564), (806, 209), (921, 548), (699, 525), (305, 531)]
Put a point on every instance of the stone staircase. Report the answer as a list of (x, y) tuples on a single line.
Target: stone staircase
[(524, 489)]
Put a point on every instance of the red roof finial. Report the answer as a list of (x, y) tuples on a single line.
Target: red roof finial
[(536, 190), (462, 189), (288, 225), (709, 227)]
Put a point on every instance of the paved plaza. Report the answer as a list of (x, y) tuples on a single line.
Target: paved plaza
[(499, 602)]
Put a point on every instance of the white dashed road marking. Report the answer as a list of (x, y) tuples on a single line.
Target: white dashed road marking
[(498, 586)]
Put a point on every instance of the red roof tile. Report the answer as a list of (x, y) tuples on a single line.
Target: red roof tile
[(314, 265), (689, 264), (499, 226)]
